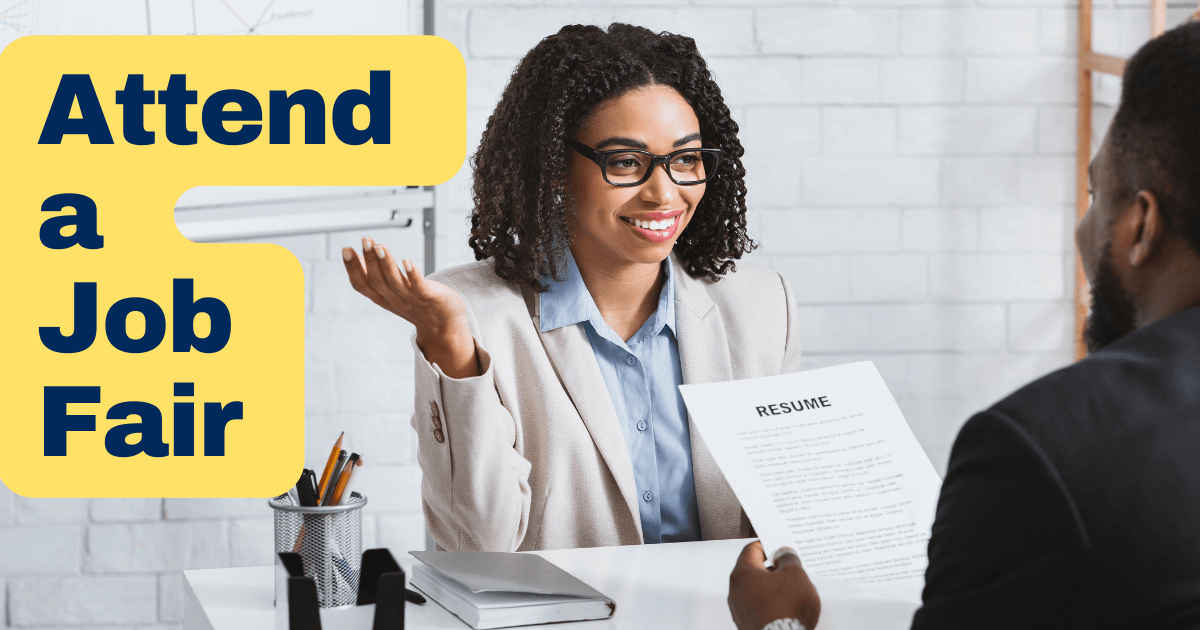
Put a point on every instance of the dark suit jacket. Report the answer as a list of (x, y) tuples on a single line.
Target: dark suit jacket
[(1075, 502)]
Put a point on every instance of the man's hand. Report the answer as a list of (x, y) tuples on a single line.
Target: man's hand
[(758, 595)]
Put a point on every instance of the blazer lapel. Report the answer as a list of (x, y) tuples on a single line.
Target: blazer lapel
[(571, 354), (704, 358)]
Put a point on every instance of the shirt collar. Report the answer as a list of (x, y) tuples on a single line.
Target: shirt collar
[(568, 302)]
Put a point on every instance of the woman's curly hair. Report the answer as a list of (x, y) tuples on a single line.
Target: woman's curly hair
[(522, 201)]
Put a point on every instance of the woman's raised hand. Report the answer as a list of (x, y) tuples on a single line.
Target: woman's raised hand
[(436, 310)]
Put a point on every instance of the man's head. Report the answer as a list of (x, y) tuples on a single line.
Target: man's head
[(1140, 239)]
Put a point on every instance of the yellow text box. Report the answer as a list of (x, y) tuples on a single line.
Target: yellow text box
[(135, 187)]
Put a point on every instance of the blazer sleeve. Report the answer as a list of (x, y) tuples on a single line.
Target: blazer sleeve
[(1008, 548), (474, 483), (791, 350)]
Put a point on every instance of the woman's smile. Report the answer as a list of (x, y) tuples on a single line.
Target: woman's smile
[(656, 227)]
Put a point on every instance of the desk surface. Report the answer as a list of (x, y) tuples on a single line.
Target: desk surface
[(681, 585)]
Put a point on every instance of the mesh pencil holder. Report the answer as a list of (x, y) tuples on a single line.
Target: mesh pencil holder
[(329, 541)]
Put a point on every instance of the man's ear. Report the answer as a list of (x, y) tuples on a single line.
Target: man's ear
[(1147, 228)]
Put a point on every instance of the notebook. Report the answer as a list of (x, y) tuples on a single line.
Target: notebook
[(499, 590)]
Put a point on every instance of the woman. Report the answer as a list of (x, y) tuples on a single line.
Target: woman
[(609, 208)]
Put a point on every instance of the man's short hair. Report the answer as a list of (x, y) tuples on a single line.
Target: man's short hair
[(1156, 131)]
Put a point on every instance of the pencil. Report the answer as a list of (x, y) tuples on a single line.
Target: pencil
[(327, 498), (337, 448), (355, 460)]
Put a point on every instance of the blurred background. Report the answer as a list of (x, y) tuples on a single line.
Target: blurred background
[(910, 170)]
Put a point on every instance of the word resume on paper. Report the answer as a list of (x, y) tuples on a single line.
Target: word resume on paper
[(824, 462)]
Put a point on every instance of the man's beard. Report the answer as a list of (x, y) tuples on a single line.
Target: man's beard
[(1113, 315)]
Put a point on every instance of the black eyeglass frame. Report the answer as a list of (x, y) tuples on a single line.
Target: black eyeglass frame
[(601, 158)]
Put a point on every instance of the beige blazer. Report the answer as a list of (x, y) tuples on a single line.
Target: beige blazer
[(530, 455)]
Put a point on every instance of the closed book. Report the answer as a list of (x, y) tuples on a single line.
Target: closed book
[(498, 590)]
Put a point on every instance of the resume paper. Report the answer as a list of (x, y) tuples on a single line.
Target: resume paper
[(823, 462)]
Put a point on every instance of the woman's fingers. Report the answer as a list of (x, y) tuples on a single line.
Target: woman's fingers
[(372, 257), (356, 270), (401, 290), (392, 274), (358, 273), (419, 285)]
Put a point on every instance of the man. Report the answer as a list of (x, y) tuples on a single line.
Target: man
[(1075, 502)]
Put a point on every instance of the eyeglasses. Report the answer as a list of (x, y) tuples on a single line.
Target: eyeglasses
[(632, 167)]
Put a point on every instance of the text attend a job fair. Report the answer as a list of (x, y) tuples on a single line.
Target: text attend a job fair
[(241, 124)]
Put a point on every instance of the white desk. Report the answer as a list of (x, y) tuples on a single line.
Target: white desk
[(680, 585)]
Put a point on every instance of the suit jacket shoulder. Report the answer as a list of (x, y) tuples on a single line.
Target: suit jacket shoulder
[(748, 283), (757, 311), (1101, 455), (1123, 389), (476, 279)]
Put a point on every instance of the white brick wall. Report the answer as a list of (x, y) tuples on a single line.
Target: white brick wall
[(65, 601), (838, 81), (910, 172), (826, 31)]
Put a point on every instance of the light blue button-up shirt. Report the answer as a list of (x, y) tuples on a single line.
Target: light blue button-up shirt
[(642, 376)]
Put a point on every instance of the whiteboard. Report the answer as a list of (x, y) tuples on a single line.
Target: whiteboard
[(209, 17)]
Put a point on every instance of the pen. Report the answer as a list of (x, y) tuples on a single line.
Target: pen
[(294, 492), (344, 478), (307, 494), (327, 495), (306, 489), (337, 448)]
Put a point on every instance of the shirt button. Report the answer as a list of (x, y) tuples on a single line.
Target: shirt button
[(642, 425), (631, 360), (648, 496), (439, 436)]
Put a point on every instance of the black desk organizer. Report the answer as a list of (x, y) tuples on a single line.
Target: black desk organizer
[(381, 582)]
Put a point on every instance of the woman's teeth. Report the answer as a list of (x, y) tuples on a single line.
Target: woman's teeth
[(651, 225)]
